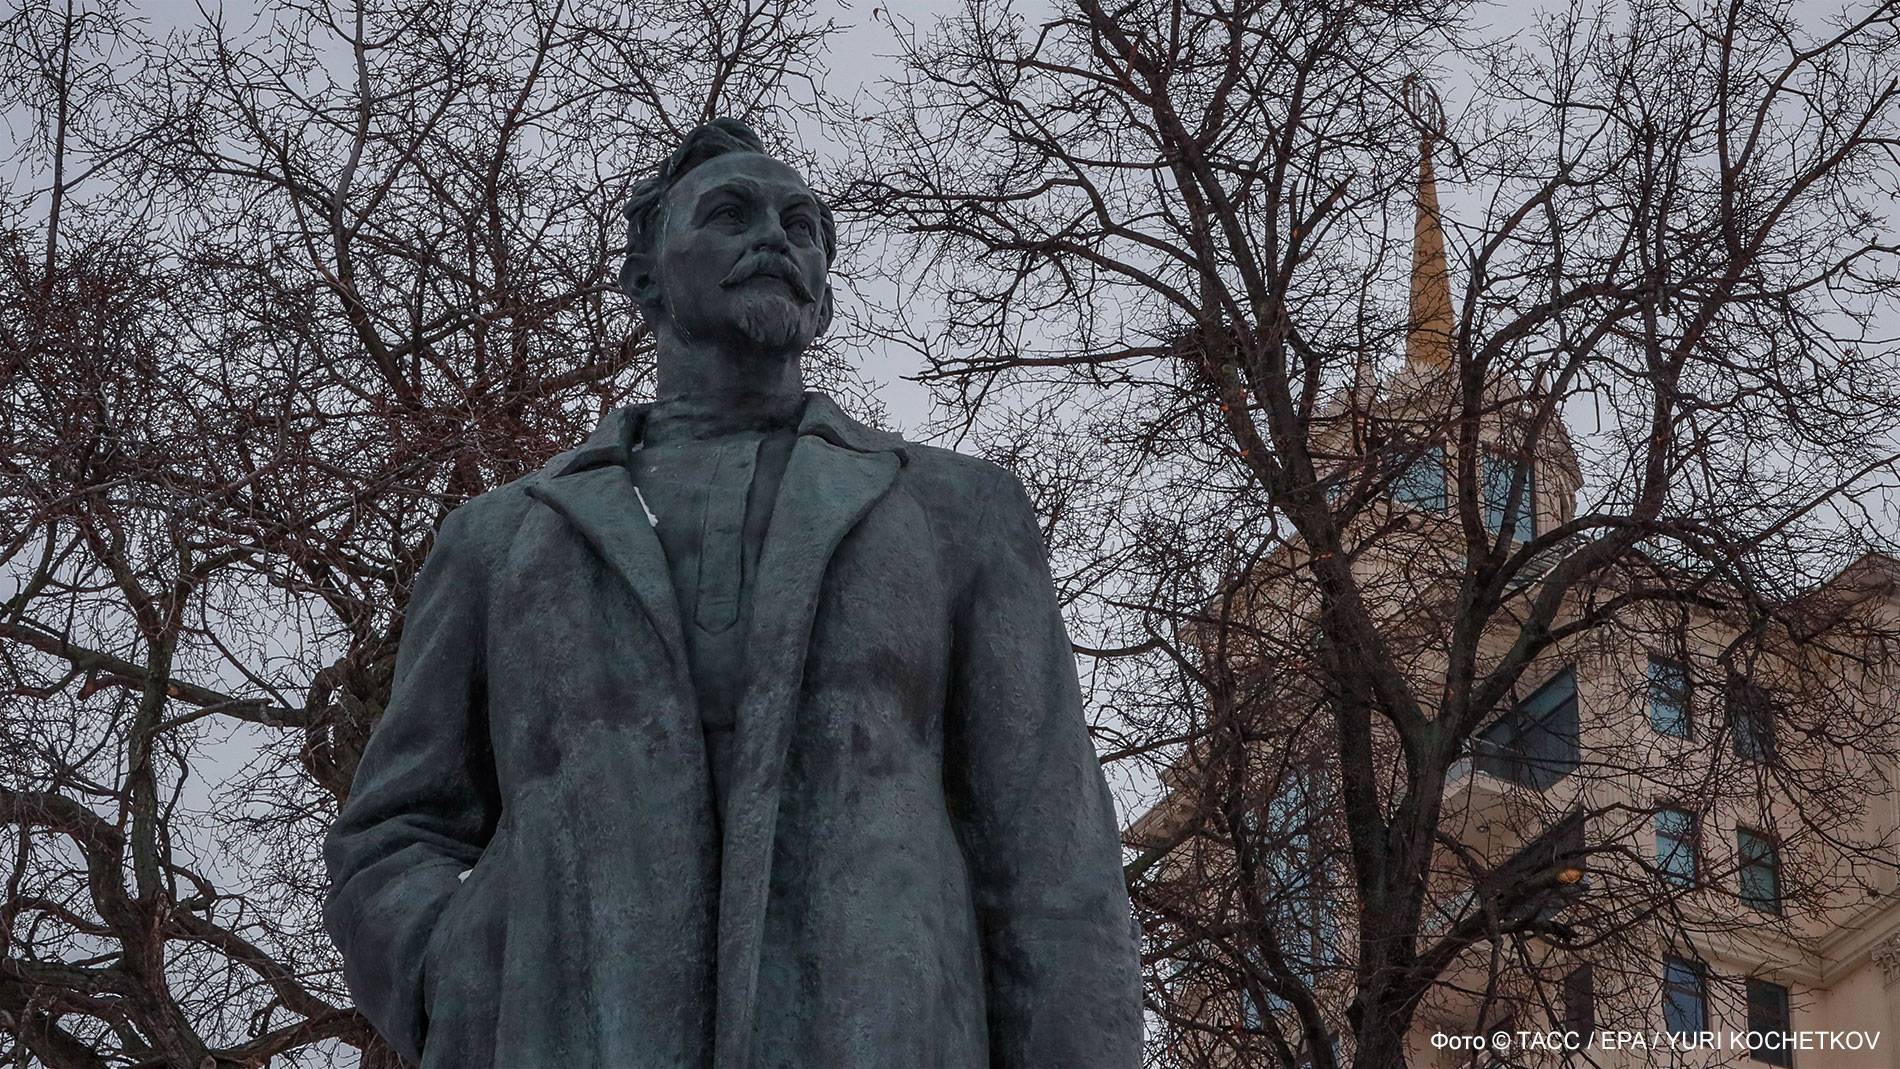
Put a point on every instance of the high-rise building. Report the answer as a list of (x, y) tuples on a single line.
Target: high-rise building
[(1726, 869)]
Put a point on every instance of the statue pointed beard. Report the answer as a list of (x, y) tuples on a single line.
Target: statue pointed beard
[(777, 324)]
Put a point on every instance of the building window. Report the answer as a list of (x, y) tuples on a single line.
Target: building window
[(1768, 1015), (1297, 888), (1580, 1002), (1685, 996), (1249, 1012), (1751, 717), (1520, 522), (1668, 697), (1760, 873), (1422, 483), (1536, 743), (1676, 840)]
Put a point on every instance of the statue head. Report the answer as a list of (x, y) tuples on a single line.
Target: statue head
[(728, 250)]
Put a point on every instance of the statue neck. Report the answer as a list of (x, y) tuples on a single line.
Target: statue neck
[(687, 418), (708, 393)]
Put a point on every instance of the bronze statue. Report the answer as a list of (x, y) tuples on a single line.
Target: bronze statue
[(743, 736)]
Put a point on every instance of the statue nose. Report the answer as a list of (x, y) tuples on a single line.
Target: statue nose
[(773, 238)]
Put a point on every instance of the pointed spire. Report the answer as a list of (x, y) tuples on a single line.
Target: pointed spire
[(1429, 325)]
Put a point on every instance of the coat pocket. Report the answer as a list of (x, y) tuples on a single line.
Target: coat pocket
[(449, 947)]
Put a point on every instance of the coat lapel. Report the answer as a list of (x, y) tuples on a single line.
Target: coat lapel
[(593, 490), (838, 470)]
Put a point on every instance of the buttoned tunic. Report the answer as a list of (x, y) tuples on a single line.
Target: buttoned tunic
[(707, 484)]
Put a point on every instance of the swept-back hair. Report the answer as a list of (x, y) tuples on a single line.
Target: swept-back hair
[(645, 210)]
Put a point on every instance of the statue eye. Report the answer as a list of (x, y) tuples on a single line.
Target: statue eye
[(800, 225), (727, 211)]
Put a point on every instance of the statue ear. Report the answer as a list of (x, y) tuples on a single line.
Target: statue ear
[(824, 312), (637, 281)]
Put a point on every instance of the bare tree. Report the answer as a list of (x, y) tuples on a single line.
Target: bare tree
[(278, 292), (1321, 517)]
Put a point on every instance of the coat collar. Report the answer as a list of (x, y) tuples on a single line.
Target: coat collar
[(592, 488), (621, 431)]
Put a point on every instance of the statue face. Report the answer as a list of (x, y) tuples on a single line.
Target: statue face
[(740, 259)]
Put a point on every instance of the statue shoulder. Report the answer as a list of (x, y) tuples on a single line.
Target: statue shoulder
[(489, 519), (948, 463), (964, 488)]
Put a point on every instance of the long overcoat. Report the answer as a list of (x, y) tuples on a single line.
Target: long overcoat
[(919, 865)]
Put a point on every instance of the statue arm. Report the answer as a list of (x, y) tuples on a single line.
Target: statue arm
[(1035, 816), (423, 804)]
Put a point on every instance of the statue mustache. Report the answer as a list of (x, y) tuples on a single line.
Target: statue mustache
[(775, 266)]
